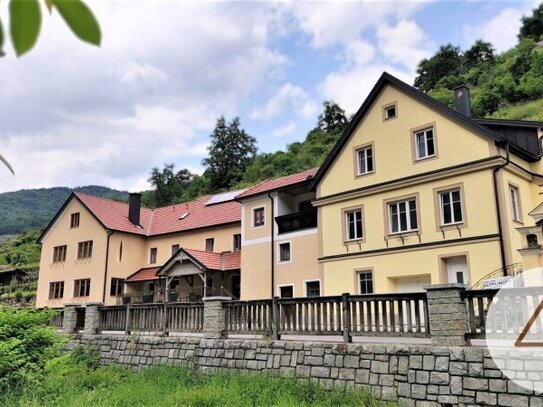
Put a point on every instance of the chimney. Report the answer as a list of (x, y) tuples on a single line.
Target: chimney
[(462, 100), (134, 208)]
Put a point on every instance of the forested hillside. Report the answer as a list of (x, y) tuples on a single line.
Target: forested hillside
[(34, 208)]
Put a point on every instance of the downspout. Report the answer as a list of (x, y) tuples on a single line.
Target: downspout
[(498, 209), (272, 245), (109, 233)]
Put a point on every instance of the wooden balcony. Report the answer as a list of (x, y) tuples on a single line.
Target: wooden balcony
[(297, 221)]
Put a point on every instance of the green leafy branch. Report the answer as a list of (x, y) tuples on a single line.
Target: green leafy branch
[(25, 22)]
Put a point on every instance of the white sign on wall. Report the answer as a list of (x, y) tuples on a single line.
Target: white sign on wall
[(494, 283)]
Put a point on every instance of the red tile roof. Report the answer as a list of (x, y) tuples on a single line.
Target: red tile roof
[(278, 183), (114, 215), (145, 274), (217, 261)]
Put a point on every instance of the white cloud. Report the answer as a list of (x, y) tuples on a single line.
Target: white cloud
[(406, 43), (287, 96), (501, 30), (282, 131)]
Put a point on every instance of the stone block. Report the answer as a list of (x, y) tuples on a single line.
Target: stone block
[(439, 378), (472, 383), (379, 367), (487, 399), (512, 400), (320, 372), (422, 377)]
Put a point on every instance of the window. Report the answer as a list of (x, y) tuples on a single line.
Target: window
[(209, 244), (284, 252), (403, 216), (390, 112), (84, 250), (175, 248), (515, 203), (365, 282), (313, 288), (286, 291), (59, 253), (74, 220), (425, 143), (258, 217), (120, 251), (237, 242), (353, 221), (117, 285), (56, 290), (365, 160), (451, 207), (82, 287), (152, 255)]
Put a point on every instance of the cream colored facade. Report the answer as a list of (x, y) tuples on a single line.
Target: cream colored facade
[(465, 160), (256, 261), (126, 253)]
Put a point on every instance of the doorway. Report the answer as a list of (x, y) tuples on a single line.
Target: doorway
[(236, 286), (457, 269)]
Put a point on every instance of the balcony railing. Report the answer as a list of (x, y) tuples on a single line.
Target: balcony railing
[(297, 221)]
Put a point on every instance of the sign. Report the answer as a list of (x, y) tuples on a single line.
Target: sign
[(494, 283)]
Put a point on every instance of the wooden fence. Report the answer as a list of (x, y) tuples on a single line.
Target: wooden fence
[(513, 309), (172, 317), (254, 317)]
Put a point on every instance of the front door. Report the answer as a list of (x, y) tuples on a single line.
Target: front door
[(236, 286), (457, 270)]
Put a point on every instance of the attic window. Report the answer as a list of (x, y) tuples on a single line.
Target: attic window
[(183, 216), (390, 112)]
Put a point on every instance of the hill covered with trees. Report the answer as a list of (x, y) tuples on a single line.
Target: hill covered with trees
[(34, 208)]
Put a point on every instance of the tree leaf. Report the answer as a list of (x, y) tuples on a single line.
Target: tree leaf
[(1, 40), (49, 4), (25, 22), (7, 164), (80, 20)]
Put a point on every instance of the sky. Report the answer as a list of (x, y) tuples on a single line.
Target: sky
[(72, 114)]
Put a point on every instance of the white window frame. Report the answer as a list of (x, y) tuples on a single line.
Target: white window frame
[(424, 132), (313, 281), (451, 204), (514, 198), (358, 275), (347, 223), (279, 261), (279, 286), (253, 218), (408, 217), (386, 109), (358, 159)]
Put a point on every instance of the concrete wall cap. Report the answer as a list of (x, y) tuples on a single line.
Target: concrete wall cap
[(447, 286), (217, 299)]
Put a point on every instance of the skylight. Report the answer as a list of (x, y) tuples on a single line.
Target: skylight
[(184, 215), (225, 197)]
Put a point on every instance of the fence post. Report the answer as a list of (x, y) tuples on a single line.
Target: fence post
[(127, 320), (214, 317), (92, 318), (448, 314), (70, 318), (346, 318), (275, 319)]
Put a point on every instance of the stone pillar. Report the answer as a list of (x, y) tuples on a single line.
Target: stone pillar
[(214, 317), (92, 318), (69, 319), (448, 314)]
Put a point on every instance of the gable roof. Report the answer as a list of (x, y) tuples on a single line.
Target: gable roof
[(113, 215), (143, 274), (388, 79), (279, 183)]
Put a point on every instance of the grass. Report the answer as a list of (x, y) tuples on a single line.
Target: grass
[(524, 111), (176, 386)]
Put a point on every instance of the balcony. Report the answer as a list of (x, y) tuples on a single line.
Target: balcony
[(297, 221)]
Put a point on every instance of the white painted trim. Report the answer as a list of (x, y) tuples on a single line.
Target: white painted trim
[(253, 208), (279, 252), (300, 233), (286, 285), (255, 241), (311, 281)]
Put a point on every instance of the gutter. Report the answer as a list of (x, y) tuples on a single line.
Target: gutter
[(272, 244), (498, 209), (109, 233)]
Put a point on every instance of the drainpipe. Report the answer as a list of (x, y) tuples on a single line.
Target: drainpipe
[(109, 233), (272, 244), (498, 210)]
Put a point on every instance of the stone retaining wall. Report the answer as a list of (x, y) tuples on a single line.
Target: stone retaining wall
[(414, 375)]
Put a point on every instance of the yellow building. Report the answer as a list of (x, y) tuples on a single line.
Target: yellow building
[(280, 239), (99, 250), (416, 193)]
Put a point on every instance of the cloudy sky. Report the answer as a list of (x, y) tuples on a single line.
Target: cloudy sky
[(72, 114)]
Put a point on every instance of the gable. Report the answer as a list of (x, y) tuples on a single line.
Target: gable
[(393, 144)]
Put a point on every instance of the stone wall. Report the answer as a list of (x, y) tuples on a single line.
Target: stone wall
[(414, 375)]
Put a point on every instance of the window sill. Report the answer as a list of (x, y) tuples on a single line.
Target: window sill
[(403, 234), (365, 174), (354, 241)]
